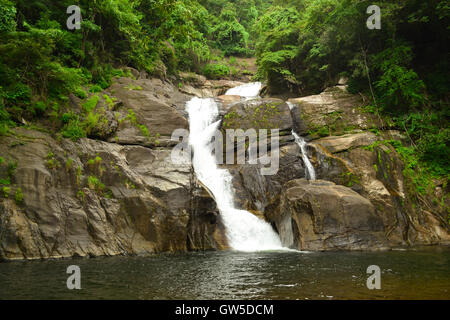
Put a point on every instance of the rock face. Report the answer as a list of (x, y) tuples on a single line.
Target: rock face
[(151, 112), (365, 181), (199, 86), (336, 144), (256, 114), (320, 215), (116, 197), (334, 110), (122, 194), (259, 114)]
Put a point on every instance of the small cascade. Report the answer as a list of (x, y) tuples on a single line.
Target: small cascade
[(245, 231), (248, 90), (310, 172)]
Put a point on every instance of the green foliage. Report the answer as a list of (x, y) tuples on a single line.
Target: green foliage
[(307, 45), (91, 122), (95, 88), (80, 93), (177, 32), (95, 184), (7, 16), (397, 85), (12, 165), (277, 31), (74, 130), (43, 62), (18, 197), (133, 87), (420, 178), (110, 101), (52, 162), (91, 103), (81, 195), (430, 130), (6, 191), (69, 164), (216, 71), (230, 36)]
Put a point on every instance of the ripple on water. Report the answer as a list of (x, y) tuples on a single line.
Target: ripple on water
[(417, 274)]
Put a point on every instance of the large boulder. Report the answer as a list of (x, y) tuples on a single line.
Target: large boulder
[(333, 112), (259, 194), (257, 114), (369, 165), (320, 215)]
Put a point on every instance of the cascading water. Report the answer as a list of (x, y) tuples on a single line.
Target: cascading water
[(245, 231), (248, 90), (310, 172)]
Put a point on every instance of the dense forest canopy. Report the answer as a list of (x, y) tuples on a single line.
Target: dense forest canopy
[(301, 46)]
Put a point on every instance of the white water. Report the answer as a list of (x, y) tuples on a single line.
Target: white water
[(310, 172), (248, 90), (245, 231)]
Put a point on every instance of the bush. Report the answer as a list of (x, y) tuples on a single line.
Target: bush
[(216, 71), (38, 108), (6, 191), (95, 88), (80, 93), (74, 130), (398, 85), (67, 117), (95, 184), (91, 103), (91, 122), (18, 196), (434, 150)]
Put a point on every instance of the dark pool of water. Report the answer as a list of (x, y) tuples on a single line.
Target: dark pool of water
[(412, 274)]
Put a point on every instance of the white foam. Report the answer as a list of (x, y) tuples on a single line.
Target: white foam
[(245, 231)]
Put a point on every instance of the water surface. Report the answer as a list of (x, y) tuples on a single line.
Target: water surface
[(412, 274)]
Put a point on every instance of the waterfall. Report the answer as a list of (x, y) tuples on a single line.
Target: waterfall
[(310, 173), (248, 90), (245, 231)]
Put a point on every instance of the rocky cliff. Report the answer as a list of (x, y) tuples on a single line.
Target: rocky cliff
[(362, 199), (119, 192)]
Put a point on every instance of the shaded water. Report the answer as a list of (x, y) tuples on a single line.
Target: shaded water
[(421, 274)]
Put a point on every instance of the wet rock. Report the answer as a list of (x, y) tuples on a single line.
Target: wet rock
[(206, 228), (227, 101), (257, 193), (319, 215)]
